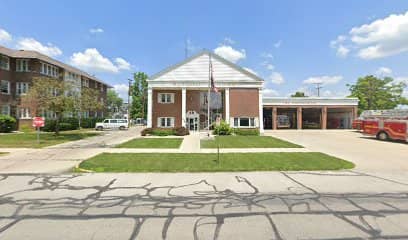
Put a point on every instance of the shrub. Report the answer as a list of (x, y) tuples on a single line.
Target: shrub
[(7, 123), (163, 132), (90, 122), (223, 129), (246, 132), (146, 131), (181, 131)]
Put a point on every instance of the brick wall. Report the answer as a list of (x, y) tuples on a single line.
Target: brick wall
[(167, 109), (244, 102)]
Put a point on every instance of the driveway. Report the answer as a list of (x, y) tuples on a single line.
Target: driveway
[(367, 153), (254, 205), (63, 157)]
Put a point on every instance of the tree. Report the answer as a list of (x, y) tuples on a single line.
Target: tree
[(49, 94), (139, 96), (298, 94), (90, 100), (376, 93), (113, 101)]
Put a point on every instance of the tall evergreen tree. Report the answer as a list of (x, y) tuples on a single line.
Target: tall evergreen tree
[(138, 92)]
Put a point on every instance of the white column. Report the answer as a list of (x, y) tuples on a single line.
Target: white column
[(261, 128), (227, 106), (183, 107), (149, 107)]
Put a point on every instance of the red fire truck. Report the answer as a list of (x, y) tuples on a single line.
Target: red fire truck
[(386, 124)]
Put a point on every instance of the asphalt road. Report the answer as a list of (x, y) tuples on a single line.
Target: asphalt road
[(257, 205)]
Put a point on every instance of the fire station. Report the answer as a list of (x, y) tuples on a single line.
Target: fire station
[(179, 96)]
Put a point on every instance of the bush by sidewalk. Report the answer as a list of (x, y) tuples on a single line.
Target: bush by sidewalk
[(7, 123)]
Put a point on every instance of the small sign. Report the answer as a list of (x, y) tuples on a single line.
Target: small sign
[(38, 122)]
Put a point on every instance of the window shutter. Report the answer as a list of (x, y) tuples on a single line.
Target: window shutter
[(158, 122), (159, 97), (172, 122)]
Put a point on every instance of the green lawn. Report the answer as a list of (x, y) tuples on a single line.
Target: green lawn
[(247, 142), (152, 143), (200, 162), (29, 140)]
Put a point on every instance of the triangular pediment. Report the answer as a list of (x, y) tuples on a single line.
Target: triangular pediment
[(196, 68)]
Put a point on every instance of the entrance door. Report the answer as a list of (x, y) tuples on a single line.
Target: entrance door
[(192, 120)]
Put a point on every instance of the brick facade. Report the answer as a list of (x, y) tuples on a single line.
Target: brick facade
[(167, 109), (244, 102)]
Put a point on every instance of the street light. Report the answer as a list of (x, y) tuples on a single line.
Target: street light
[(128, 106)]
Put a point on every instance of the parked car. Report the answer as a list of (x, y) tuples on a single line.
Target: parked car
[(120, 124)]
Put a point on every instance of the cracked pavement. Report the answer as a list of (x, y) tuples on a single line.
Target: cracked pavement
[(257, 205)]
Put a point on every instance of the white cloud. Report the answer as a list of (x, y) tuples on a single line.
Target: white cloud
[(267, 55), (401, 79), (276, 78), (122, 90), (383, 71), (122, 64), (230, 53), (267, 92), (342, 51), (250, 70), (380, 38), (340, 39), (323, 80), (92, 60), (277, 44), (96, 30), (5, 36), (229, 41), (34, 45), (268, 65)]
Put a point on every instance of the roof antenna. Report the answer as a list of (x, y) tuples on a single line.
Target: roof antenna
[(318, 87), (186, 48)]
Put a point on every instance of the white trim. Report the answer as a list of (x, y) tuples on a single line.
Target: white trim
[(159, 122), (8, 87), (227, 105), (183, 107), (308, 101), (20, 86), (249, 122), (203, 84), (149, 107), (7, 112), (160, 98), (260, 121)]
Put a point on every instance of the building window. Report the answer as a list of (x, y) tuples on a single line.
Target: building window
[(5, 109), (22, 65), (165, 98), (165, 122), (49, 70), (4, 62), (244, 122), (24, 113), (22, 88), (85, 83), (4, 87)]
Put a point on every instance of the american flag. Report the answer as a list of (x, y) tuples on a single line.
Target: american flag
[(213, 87)]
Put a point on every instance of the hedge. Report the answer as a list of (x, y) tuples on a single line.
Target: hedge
[(7, 123), (70, 124), (246, 132), (178, 131)]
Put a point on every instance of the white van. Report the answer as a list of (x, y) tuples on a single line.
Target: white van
[(120, 124)]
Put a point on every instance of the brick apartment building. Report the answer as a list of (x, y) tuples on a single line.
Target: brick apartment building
[(19, 67), (177, 96)]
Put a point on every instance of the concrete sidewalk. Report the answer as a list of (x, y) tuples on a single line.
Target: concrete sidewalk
[(239, 205)]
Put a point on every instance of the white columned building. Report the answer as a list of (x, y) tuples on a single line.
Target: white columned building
[(149, 107), (183, 107), (178, 95)]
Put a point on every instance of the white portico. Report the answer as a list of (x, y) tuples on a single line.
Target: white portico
[(178, 96)]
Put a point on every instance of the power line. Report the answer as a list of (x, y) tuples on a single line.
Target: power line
[(318, 87)]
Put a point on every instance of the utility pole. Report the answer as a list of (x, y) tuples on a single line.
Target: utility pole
[(128, 101), (318, 87)]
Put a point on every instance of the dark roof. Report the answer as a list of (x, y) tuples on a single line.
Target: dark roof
[(36, 55)]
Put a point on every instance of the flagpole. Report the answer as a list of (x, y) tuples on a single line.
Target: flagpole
[(209, 93)]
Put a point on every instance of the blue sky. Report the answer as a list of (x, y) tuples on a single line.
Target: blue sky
[(291, 44)]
